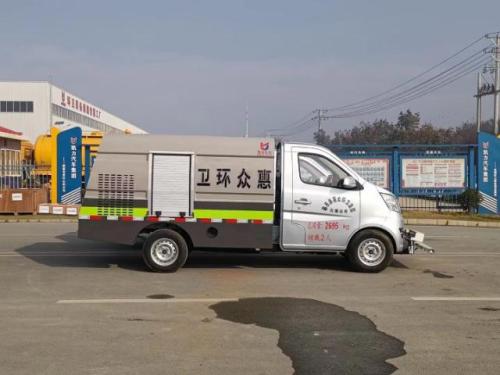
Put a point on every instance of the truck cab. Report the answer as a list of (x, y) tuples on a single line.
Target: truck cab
[(326, 206)]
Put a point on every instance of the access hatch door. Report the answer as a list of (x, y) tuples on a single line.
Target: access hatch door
[(171, 184)]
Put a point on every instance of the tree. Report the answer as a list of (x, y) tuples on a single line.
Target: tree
[(407, 130), (408, 121), (321, 138)]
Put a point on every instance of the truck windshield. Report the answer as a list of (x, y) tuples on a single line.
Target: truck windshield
[(315, 169)]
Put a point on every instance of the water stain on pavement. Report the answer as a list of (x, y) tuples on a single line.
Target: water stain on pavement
[(319, 338), (489, 308), (141, 320), (160, 296), (136, 319), (439, 275)]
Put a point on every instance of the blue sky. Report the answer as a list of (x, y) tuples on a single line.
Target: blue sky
[(191, 66)]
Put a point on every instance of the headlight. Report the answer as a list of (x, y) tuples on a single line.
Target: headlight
[(391, 201)]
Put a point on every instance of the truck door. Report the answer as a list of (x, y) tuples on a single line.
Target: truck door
[(318, 213), (170, 185)]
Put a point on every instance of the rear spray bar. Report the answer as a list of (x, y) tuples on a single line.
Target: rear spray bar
[(416, 241)]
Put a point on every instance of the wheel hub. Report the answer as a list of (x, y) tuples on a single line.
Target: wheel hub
[(371, 252), (164, 252)]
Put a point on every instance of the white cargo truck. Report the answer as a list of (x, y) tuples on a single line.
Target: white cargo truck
[(182, 193)]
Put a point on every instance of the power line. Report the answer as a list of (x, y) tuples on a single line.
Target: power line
[(296, 130), (306, 125), (419, 90), (413, 78), (441, 80), (469, 60), (295, 124), (382, 101), (415, 95)]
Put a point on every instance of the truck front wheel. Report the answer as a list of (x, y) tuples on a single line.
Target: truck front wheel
[(165, 251), (370, 251)]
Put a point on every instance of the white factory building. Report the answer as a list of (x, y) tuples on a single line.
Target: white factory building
[(33, 107)]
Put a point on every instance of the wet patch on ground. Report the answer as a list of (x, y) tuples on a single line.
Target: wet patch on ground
[(490, 308), (319, 338), (136, 319), (160, 296), (439, 275), (141, 320)]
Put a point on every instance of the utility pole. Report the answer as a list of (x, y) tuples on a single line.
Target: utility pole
[(497, 82), (478, 102), (246, 121), (490, 89), (320, 113), (483, 89), (320, 116)]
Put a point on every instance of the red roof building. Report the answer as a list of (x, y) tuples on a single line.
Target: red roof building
[(10, 134)]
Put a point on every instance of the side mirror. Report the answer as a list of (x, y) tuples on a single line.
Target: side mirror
[(348, 183)]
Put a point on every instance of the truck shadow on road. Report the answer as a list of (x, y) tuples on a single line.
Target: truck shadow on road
[(69, 251)]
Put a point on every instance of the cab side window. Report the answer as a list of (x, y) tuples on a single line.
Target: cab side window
[(318, 170)]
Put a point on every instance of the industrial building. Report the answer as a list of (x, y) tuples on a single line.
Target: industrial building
[(33, 107)]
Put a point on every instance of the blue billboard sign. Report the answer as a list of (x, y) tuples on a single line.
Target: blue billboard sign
[(488, 178), (435, 173), (69, 166), (408, 169)]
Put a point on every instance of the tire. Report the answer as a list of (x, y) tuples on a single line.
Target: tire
[(165, 250), (370, 250)]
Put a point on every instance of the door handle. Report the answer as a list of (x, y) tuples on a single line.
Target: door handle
[(302, 201)]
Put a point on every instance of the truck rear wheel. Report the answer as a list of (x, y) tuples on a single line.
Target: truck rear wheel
[(165, 251), (370, 251)]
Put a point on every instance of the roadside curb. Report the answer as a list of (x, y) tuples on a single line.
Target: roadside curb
[(37, 220), (453, 223)]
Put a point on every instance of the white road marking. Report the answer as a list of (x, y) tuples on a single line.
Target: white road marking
[(76, 254), (146, 300), (491, 299), (128, 252), (468, 253), (449, 254), (24, 235), (45, 251), (463, 255), (216, 300), (427, 237)]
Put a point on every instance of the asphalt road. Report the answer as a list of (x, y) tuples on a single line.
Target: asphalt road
[(69, 306)]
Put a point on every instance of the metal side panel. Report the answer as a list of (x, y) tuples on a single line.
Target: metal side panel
[(111, 231), (202, 235), (171, 184)]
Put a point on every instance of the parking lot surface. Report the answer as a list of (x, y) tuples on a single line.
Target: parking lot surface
[(69, 306)]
